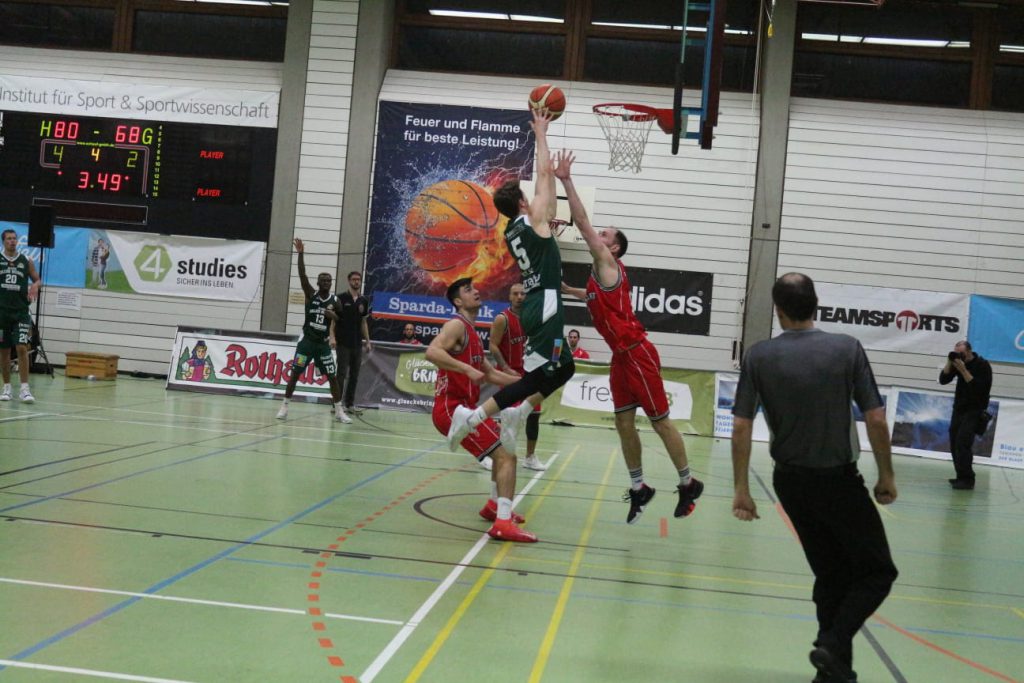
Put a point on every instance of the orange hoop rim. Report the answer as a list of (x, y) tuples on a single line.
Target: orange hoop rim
[(642, 113)]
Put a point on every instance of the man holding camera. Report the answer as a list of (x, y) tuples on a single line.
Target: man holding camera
[(973, 384)]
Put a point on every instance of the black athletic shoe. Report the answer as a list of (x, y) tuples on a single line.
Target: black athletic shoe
[(963, 484), (638, 500), (830, 668), (688, 496)]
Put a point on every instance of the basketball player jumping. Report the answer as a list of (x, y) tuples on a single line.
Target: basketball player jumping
[(458, 354), (547, 360), (635, 377)]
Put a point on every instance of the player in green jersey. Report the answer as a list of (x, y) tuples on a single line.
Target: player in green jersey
[(548, 361), (16, 292), (317, 341)]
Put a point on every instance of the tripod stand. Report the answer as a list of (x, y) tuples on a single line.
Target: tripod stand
[(37, 335)]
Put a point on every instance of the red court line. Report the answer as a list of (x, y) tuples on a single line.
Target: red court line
[(948, 653), (663, 527), (335, 660)]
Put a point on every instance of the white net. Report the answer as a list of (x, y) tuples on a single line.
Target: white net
[(626, 127)]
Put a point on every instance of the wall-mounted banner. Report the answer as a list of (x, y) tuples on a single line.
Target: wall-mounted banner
[(228, 270), (725, 398), (62, 264), (239, 362), (997, 328), (433, 218), (920, 426), (671, 301), (184, 104), (905, 320)]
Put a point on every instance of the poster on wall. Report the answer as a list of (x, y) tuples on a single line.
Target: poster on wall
[(997, 328), (239, 362), (884, 319), (674, 301), (432, 217), (725, 398)]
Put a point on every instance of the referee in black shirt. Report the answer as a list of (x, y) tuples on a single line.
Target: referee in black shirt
[(973, 385), (805, 380)]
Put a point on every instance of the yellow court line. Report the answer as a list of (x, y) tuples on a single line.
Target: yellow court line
[(563, 597), (883, 508), (478, 586), (1018, 612)]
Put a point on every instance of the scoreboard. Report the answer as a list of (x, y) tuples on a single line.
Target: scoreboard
[(142, 175)]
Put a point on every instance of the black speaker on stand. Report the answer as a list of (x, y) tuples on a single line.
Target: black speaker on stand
[(40, 234)]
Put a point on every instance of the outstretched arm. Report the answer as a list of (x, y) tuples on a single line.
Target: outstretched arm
[(604, 263), (307, 288), (577, 292), (542, 208)]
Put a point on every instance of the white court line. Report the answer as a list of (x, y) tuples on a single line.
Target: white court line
[(87, 672), (196, 601), (24, 417), (388, 652)]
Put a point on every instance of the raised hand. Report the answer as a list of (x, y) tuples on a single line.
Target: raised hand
[(298, 245), (562, 162)]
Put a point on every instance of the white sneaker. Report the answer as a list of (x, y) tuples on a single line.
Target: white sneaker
[(531, 462), (512, 419), (486, 463), (283, 413), (341, 416), (26, 396), (460, 427), (6, 395)]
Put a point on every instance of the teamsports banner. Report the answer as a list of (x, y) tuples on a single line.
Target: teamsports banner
[(239, 362), (227, 270), (905, 320), (675, 301), (997, 328), (62, 265), (432, 216), (920, 426), (183, 104)]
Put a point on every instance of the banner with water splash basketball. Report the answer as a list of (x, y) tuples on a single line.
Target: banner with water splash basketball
[(432, 218)]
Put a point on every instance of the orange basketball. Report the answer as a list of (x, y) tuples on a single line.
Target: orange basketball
[(548, 98), (446, 224)]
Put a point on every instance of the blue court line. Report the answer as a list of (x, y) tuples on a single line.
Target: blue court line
[(135, 474), (155, 588)]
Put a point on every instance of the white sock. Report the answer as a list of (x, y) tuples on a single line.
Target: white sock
[(477, 417), (24, 385), (286, 401), (7, 387), (636, 478), (339, 407), (504, 508), (494, 490)]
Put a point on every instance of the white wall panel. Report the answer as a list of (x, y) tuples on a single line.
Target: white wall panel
[(685, 212), (907, 197)]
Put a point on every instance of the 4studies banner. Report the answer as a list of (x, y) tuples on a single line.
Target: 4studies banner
[(905, 320)]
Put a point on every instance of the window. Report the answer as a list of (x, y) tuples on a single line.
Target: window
[(210, 35), (51, 25)]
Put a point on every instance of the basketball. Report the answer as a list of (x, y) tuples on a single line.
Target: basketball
[(548, 98), (446, 224)]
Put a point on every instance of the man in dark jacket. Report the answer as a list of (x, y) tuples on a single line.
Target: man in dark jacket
[(973, 384)]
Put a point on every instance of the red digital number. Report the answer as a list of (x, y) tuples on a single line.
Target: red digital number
[(83, 180), (67, 130)]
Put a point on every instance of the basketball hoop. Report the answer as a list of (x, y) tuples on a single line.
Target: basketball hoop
[(626, 127), (557, 226)]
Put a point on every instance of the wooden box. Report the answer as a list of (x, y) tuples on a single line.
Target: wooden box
[(98, 365)]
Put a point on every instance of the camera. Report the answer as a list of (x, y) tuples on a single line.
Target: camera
[(956, 355)]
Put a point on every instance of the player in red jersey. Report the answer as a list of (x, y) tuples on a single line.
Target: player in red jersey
[(508, 345), (458, 354), (635, 368)]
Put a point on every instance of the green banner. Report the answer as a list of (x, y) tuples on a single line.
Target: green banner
[(587, 399)]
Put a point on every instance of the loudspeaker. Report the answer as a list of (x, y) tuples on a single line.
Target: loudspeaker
[(40, 226)]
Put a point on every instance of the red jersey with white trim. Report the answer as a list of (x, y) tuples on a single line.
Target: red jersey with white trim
[(612, 312), (513, 344), (456, 387)]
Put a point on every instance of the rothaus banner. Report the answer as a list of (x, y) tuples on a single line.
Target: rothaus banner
[(905, 320), (673, 301), (239, 362), (183, 104), (227, 270), (997, 328), (920, 426)]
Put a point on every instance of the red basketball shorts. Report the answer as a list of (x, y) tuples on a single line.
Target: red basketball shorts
[(636, 381), (479, 444)]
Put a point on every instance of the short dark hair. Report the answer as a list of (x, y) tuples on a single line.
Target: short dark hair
[(794, 295), (3, 235), (354, 272), (507, 197), (573, 330), (967, 344), (620, 239), (453, 289)]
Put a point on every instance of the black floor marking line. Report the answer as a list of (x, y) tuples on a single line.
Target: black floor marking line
[(767, 491), (75, 457), (897, 675), (1009, 485), (405, 558)]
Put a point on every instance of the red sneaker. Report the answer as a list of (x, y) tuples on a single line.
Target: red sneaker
[(506, 530), (490, 513)]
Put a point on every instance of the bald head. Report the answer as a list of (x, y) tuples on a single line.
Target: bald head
[(794, 295)]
